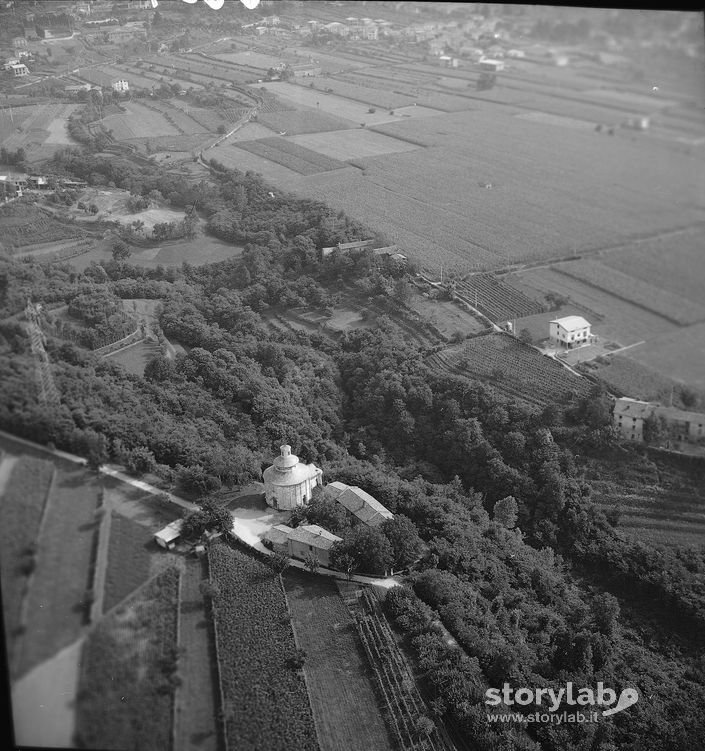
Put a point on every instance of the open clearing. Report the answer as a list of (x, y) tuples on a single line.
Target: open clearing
[(296, 122), (352, 144), (135, 357), (339, 681)]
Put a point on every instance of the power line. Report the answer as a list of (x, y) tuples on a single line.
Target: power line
[(48, 393)]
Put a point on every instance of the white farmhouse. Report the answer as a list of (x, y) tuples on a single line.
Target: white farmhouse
[(569, 332), (122, 85), (288, 483)]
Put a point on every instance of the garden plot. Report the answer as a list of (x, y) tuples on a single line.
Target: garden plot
[(352, 144), (234, 158)]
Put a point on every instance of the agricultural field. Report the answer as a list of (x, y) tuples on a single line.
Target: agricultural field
[(557, 198), (630, 378), (38, 129), (128, 665), (298, 122), (512, 368), (197, 696), (675, 263), (351, 144), (331, 104), (497, 300), (266, 702), (24, 489), (139, 121), (623, 285), (337, 673), (25, 225), (679, 355), (657, 503), (129, 558), (290, 155), (612, 318)]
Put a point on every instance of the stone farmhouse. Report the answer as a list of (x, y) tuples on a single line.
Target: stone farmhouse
[(682, 426)]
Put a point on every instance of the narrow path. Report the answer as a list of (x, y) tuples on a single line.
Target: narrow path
[(196, 726), (116, 473)]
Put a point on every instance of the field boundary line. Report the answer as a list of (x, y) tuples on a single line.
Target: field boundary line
[(175, 708), (221, 720), (101, 561)]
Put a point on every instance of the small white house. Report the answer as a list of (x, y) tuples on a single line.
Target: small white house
[(122, 85), (20, 69), (570, 332), (166, 538)]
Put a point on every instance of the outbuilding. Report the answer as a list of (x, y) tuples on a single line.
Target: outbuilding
[(167, 537), (359, 503)]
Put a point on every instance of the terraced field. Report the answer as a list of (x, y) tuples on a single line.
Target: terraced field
[(498, 301), (513, 368)]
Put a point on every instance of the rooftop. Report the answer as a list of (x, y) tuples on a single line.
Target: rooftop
[(571, 323), (312, 534), (366, 508)]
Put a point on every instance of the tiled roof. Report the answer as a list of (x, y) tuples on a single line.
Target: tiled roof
[(366, 508), (571, 323), (312, 534)]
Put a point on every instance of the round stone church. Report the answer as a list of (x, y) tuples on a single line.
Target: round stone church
[(288, 483)]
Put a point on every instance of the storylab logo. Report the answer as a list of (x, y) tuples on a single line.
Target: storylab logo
[(593, 703)]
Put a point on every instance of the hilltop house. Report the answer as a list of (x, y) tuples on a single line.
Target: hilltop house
[(308, 539), (360, 504), (288, 483), (570, 332)]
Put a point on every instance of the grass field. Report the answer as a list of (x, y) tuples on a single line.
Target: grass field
[(21, 507), (135, 357), (129, 559), (59, 598), (126, 689), (339, 682), (679, 355), (352, 144), (674, 263), (139, 122), (297, 122)]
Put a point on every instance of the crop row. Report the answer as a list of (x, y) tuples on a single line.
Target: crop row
[(291, 155), (403, 704), (497, 300), (625, 287), (513, 368), (266, 703)]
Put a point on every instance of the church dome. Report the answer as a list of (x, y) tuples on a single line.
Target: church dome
[(288, 470)]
